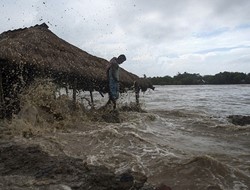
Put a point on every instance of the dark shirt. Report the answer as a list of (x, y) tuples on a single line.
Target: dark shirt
[(113, 70)]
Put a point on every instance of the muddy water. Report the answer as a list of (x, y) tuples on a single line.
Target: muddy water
[(184, 140)]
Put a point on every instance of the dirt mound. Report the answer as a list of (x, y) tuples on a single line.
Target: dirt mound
[(239, 119), (42, 171)]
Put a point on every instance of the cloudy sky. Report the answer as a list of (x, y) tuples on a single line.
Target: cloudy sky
[(159, 37)]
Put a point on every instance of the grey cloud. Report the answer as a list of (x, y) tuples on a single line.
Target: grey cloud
[(143, 29)]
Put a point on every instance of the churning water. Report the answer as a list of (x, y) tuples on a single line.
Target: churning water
[(184, 140), (193, 122)]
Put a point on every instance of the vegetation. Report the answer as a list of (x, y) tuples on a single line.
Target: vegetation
[(194, 79)]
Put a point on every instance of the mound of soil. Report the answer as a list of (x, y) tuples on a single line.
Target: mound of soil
[(239, 119), (28, 167)]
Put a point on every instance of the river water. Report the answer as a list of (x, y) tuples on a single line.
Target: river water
[(184, 140)]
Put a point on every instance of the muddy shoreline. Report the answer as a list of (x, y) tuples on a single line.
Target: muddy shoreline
[(29, 167)]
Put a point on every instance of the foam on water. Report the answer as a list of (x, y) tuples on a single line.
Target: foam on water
[(184, 140)]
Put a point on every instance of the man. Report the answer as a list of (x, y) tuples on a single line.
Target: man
[(113, 78)]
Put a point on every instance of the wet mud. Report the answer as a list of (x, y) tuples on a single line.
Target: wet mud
[(29, 167)]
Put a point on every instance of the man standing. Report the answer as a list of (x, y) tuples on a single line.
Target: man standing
[(113, 78)]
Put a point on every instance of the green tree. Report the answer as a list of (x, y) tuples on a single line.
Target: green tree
[(192, 79)]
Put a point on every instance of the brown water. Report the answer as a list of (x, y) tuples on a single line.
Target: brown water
[(184, 140)]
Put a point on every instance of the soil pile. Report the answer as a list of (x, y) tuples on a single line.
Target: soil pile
[(28, 167), (239, 119)]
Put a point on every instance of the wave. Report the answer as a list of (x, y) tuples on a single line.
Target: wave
[(202, 172), (157, 144)]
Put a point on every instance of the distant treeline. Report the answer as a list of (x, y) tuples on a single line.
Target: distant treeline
[(193, 79)]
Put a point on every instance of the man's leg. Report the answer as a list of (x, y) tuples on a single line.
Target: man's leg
[(114, 104)]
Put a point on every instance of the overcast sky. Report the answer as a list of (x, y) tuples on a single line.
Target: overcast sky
[(159, 37)]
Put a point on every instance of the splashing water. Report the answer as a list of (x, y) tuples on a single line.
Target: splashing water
[(184, 140)]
